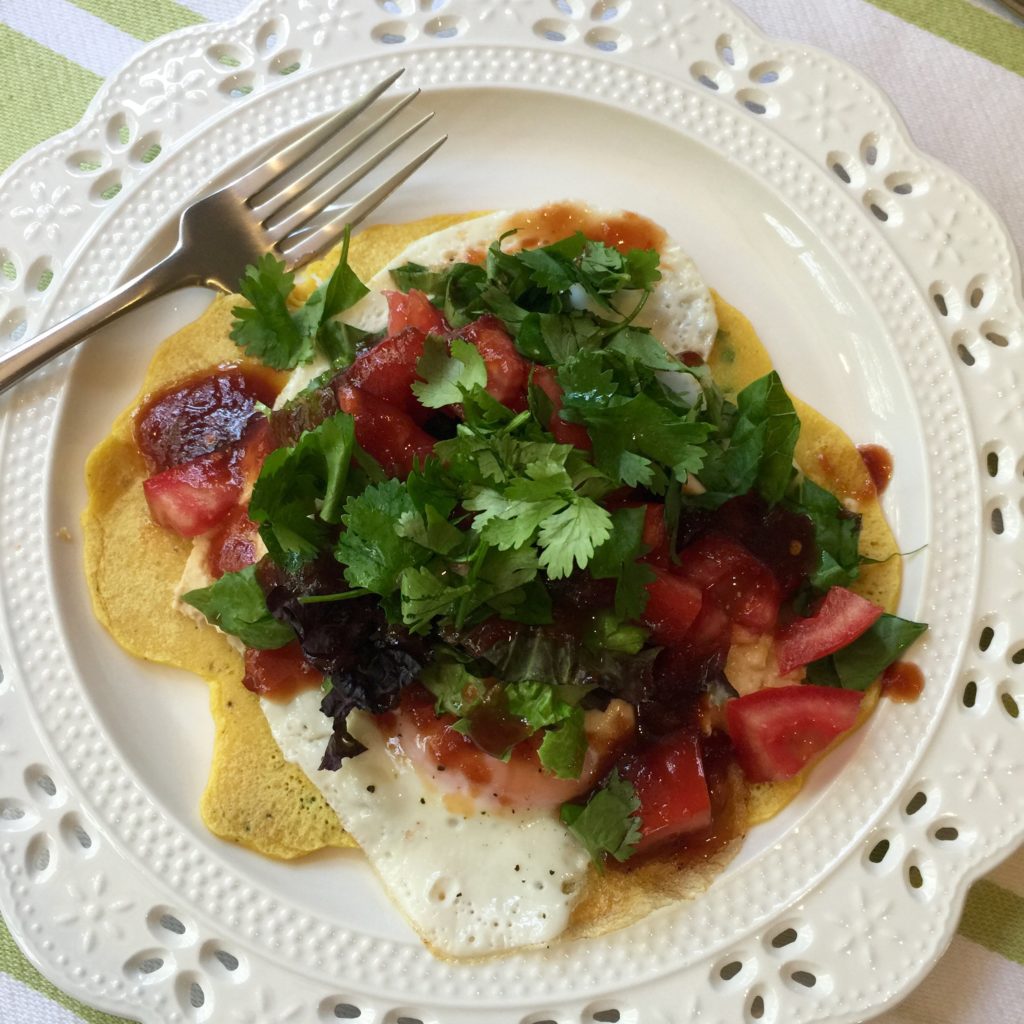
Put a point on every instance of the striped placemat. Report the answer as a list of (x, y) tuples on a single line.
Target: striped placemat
[(955, 68)]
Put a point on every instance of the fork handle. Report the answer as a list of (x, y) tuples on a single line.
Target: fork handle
[(166, 276)]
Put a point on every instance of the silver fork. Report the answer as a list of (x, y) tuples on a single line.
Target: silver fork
[(266, 209)]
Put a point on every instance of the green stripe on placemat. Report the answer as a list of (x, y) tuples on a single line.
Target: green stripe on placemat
[(14, 964), (965, 25), (146, 20), (61, 91), (994, 918)]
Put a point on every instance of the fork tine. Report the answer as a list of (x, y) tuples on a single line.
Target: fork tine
[(272, 204), (309, 245), (267, 172), (277, 228)]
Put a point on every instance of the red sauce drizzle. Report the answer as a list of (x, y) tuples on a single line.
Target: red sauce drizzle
[(902, 682), (279, 674), (551, 223), (879, 465), (201, 413)]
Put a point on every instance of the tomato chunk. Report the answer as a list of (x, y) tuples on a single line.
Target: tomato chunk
[(776, 731), (280, 673), (672, 606), (841, 617), (388, 370), (668, 777), (232, 543), (194, 497), (507, 371), (414, 309), (564, 433), (655, 535), (737, 582), (387, 433)]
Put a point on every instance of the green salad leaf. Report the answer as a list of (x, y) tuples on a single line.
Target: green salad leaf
[(236, 605), (858, 665), (607, 825)]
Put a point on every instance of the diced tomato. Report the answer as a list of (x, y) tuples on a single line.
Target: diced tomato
[(233, 543), (776, 731), (414, 309), (507, 371), (730, 576), (387, 433), (564, 433), (388, 370), (279, 674), (194, 497), (655, 535), (672, 606), (256, 443), (841, 617), (668, 777)]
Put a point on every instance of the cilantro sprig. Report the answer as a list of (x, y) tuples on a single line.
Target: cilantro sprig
[(282, 338)]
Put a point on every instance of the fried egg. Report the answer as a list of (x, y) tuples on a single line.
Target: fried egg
[(472, 877)]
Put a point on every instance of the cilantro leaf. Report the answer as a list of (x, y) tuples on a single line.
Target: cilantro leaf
[(836, 533), (618, 558), (266, 328), (269, 331), (538, 705), (425, 596), (759, 450), (569, 537), (375, 556), (448, 377), (858, 665), (510, 523), (608, 823), (294, 480), (236, 605), (344, 289), (628, 437), (432, 531)]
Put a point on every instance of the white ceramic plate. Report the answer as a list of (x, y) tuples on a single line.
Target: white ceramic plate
[(882, 286)]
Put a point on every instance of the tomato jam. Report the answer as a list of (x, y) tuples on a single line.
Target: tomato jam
[(902, 682), (622, 231), (201, 413), (279, 674), (879, 465)]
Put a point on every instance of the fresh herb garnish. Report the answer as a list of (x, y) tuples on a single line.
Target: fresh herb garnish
[(301, 489), (236, 605), (268, 330), (607, 824)]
